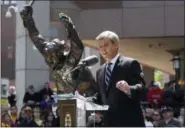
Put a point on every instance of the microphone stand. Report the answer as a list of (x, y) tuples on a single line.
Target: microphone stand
[(81, 67)]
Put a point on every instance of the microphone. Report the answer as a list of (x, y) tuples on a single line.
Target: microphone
[(89, 61)]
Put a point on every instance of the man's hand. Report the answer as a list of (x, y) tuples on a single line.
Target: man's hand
[(31, 102), (123, 86)]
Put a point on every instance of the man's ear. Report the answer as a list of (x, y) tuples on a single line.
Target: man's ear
[(117, 46)]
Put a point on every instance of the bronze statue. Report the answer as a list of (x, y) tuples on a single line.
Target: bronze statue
[(63, 57)]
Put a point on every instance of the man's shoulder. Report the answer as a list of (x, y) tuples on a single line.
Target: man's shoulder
[(27, 93), (128, 59), (161, 123), (11, 96), (175, 121)]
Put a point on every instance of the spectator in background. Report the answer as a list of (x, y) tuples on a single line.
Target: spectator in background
[(47, 102), (155, 94), (46, 91), (181, 118), (30, 97), (58, 117), (6, 120), (50, 120), (178, 100), (148, 122), (21, 115), (168, 95), (144, 93), (37, 115), (95, 120), (27, 119), (173, 98), (148, 114), (168, 118), (12, 97), (14, 115), (157, 117)]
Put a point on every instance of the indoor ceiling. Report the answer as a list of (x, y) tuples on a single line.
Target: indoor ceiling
[(90, 4), (149, 51)]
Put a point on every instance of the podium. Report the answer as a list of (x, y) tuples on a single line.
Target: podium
[(74, 111)]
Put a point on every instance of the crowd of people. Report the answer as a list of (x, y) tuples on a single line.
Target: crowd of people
[(29, 117), (36, 111), (161, 108)]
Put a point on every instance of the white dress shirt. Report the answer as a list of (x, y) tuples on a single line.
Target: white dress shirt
[(113, 61)]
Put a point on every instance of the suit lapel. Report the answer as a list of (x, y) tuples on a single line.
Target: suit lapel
[(102, 80)]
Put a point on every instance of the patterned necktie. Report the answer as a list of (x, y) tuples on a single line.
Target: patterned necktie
[(107, 75)]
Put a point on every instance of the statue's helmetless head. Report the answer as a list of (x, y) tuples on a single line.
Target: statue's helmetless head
[(57, 51)]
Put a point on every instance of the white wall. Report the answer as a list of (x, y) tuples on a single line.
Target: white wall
[(135, 19), (174, 18), (153, 18), (94, 22)]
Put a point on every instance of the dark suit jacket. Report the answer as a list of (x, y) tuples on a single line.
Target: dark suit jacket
[(123, 110)]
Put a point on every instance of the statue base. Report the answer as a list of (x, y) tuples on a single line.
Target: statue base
[(74, 110)]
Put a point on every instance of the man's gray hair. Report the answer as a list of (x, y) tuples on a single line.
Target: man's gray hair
[(108, 35)]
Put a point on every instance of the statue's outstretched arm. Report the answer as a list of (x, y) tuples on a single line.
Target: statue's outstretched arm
[(72, 33), (77, 46), (28, 22), (50, 50)]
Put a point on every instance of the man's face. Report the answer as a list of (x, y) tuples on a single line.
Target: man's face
[(31, 90), (50, 117), (28, 113), (7, 118), (108, 49), (12, 90), (46, 85), (167, 114), (13, 110), (36, 112), (156, 116)]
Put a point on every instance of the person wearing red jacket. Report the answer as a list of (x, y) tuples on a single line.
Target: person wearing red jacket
[(154, 96)]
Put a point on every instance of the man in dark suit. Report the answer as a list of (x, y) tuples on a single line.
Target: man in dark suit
[(119, 81)]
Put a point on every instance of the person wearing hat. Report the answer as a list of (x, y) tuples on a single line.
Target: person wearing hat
[(30, 97), (154, 95), (46, 91), (27, 119), (168, 118)]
